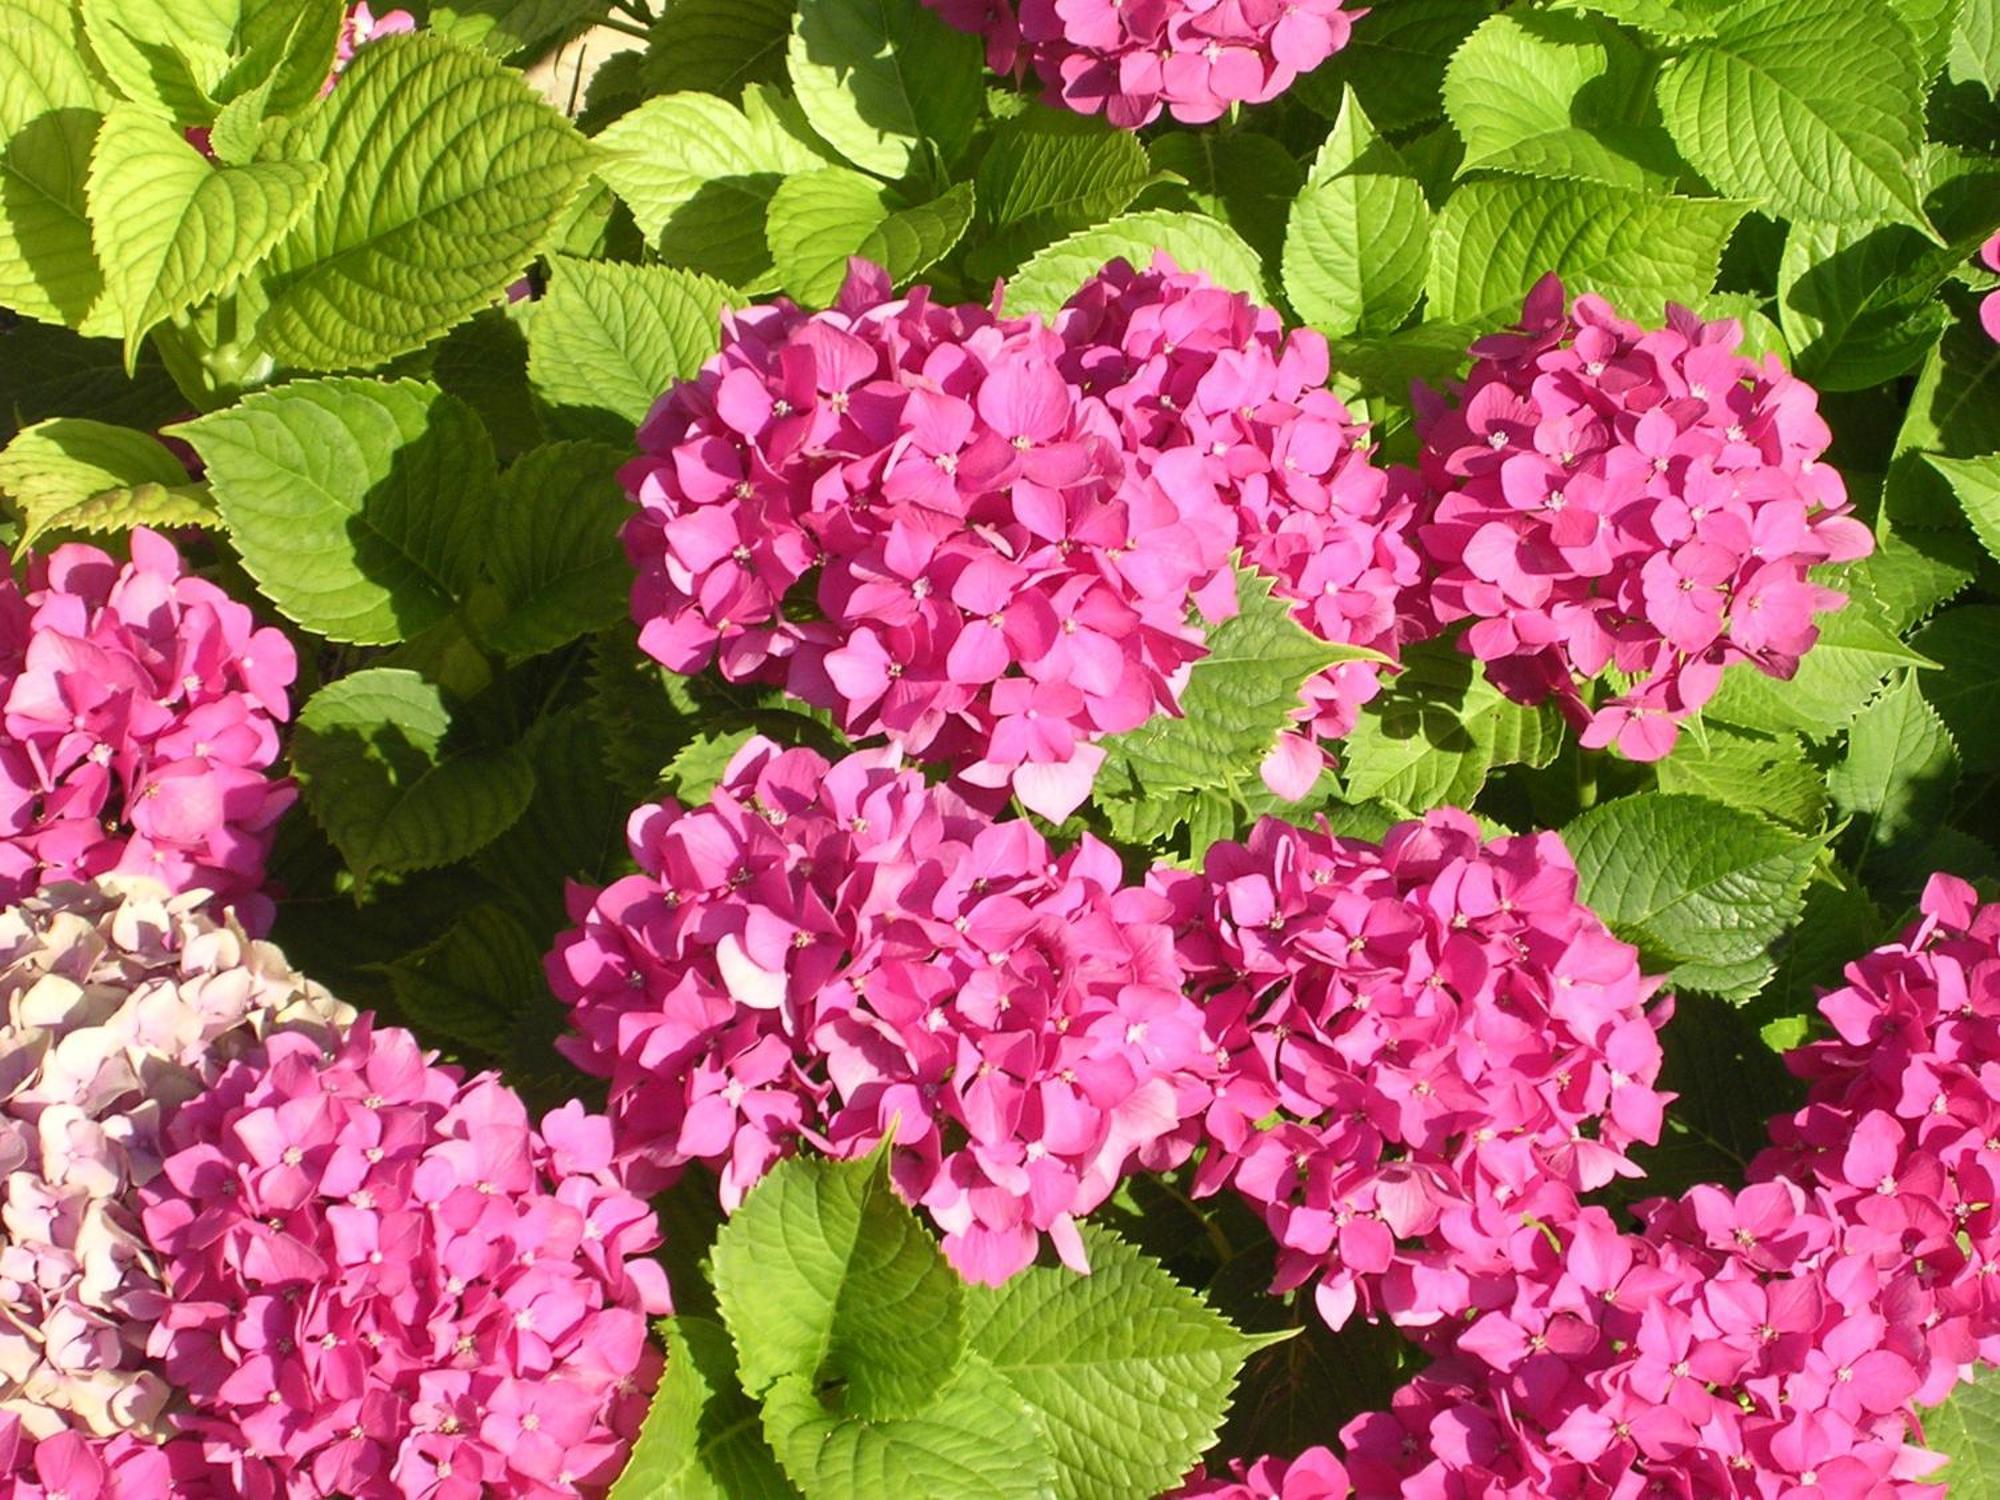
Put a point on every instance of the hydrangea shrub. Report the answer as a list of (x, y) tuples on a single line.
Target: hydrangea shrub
[(1090, 748)]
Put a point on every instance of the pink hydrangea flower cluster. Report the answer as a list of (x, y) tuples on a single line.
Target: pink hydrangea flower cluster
[(1314, 1475), (1774, 1342), (118, 1002), (385, 1281), (359, 28), (1419, 1045), (984, 537), (138, 722), (838, 954), (1132, 59), (1604, 499), (1989, 305)]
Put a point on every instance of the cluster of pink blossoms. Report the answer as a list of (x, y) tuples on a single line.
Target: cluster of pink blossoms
[(138, 721), (387, 1282), (253, 1247), (984, 537), (831, 954), (1989, 305), (1772, 1343), (1314, 1475), (1131, 59), (360, 27), (1418, 1046), (1605, 497)]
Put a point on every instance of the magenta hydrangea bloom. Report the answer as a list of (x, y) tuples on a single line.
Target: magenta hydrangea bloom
[(118, 1003), (1737, 1347), (139, 713), (1419, 1046), (360, 27), (984, 538), (1314, 1475), (1776, 1341), (835, 954), (1606, 501), (386, 1281), (1989, 305), (1901, 1133), (1132, 59)]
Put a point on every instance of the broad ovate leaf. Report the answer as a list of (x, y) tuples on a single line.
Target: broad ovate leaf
[(1976, 483), (879, 79), (173, 229), (703, 1438), (665, 152), (978, 1440), (49, 114), (1193, 241), (1563, 96), (554, 551), (70, 474), (1496, 238), (373, 766), (718, 46), (507, 27), (1436, 732), (1703, 890), (166, 55), (1048, 173), (825, 1275), (361, 507), (1901, 766), (821, 220), (1129, 1372), (1239, 698), (428, 214), (1358, 243), (1813, 111), (609, 340)]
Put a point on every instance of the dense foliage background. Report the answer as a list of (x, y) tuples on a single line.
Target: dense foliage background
[(378, 356)]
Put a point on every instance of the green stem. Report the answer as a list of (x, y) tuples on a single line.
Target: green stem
[(626, 28), (1586, 778)]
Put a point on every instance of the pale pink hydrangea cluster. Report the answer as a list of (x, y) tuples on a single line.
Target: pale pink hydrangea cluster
[(985, 538), (1772, 1343), (139, 713), (1629, 508), (831, 955), (252, 1247), (1419, 1045), (118, 1003), (1131, 59)]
